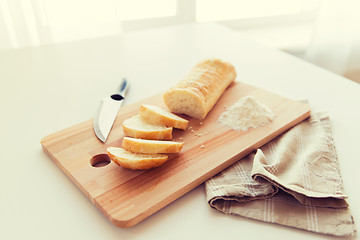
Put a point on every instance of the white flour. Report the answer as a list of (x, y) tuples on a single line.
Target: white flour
[(246, 113)]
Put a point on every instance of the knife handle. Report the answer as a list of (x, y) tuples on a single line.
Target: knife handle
[(124, 87)]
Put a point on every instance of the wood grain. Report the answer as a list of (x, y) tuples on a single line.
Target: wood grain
[(127, 197)]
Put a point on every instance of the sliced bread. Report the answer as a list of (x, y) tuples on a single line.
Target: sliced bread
[(158, 115), (135, 161), (151, 146), (138, 127)]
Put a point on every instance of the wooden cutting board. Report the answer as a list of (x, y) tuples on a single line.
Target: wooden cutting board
[(125, 196)]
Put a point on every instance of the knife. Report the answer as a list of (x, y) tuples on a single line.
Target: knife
[(108, 110)]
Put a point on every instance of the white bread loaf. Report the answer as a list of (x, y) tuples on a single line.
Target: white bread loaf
[(135, 161), (138, 145), (138, 127), (158, 115), (196, 94)]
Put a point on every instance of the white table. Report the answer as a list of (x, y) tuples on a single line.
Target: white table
[(49, 88)]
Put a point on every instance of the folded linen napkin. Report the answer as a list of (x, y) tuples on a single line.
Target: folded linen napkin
[(293, 180)]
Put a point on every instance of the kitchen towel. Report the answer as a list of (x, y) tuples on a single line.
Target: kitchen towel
[(293, 180)]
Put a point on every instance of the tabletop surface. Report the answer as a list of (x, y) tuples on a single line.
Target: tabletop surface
[(49, 88)]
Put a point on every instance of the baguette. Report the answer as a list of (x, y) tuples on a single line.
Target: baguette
[(151, 146), (135, 161), (158, 115), (138, 127), (196, 94)]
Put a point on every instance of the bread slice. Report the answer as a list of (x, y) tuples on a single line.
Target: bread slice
[(156, 114), (196, 94), (151, 146), (135, 161), (138, 127)]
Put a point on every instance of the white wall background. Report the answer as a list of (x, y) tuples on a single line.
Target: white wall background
[(325, 32)]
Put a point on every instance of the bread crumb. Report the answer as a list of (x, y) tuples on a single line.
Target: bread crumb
[(198, 134), (181, 139), (200, 123), (202, 146), (191, 130)]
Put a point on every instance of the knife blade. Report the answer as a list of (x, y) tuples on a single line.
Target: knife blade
[(109, 107)]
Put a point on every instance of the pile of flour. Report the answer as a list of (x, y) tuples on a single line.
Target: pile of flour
[(245, 114)]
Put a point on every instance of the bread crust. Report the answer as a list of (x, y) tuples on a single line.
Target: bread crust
[(196, 94), (151, 146)]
